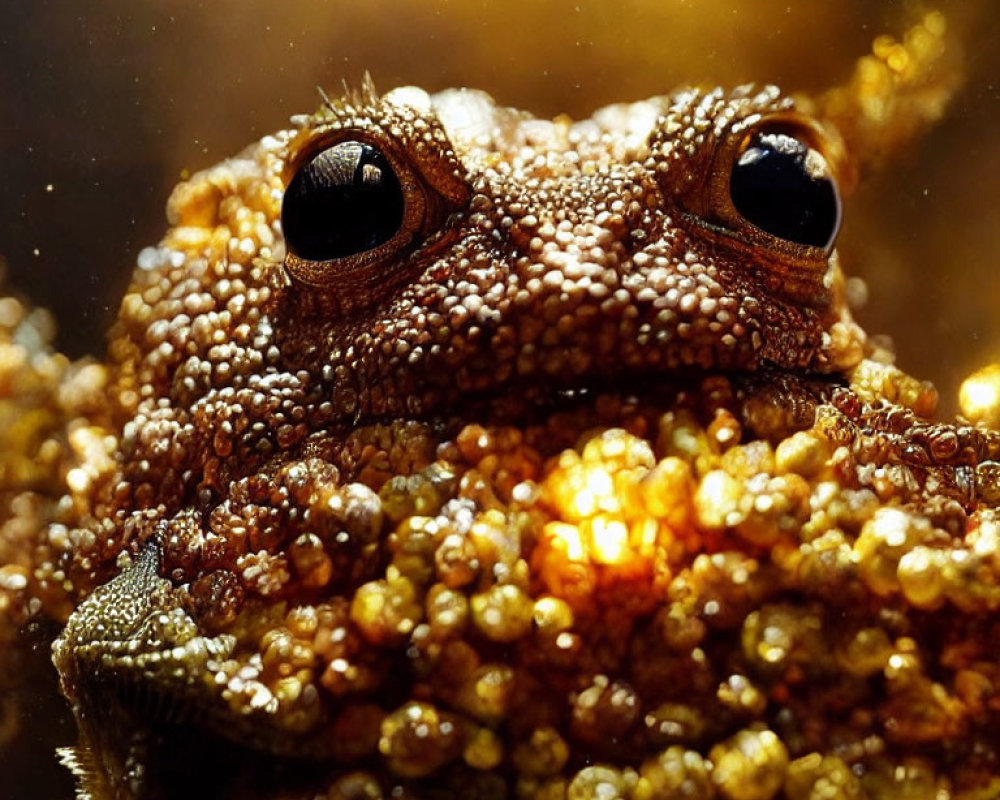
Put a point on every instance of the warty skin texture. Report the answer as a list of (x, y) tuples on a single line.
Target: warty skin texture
[(561, 257), (572, 263), (535, 258), (229, 360), (293, 535), (548, 253)]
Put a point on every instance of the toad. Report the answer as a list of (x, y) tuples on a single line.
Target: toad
[(453, 452)]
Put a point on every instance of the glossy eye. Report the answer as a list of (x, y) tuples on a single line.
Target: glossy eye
[(345, 200), (784, 187)]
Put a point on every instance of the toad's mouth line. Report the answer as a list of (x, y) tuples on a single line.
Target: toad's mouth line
[(523, 403)]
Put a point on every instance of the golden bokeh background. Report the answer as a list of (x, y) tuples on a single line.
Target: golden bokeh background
[(105, 106)]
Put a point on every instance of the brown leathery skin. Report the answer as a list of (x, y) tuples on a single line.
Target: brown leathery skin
[(541, 257), (571, 260)]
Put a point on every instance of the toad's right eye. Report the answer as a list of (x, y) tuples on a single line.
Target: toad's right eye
[(344, 201), (784, 187)]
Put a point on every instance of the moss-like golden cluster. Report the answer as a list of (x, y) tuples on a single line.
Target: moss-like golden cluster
[(627, 600), (682, 613), (51, 413)]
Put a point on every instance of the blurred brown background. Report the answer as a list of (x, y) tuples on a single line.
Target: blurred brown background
[(105, 104)]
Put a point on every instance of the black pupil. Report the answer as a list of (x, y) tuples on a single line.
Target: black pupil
[(344, 201), (782, 187)]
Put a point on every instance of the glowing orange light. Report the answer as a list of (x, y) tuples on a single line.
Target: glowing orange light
[(569, 537), (609, 540)]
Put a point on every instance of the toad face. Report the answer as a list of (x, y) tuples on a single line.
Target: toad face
[(347, 289), (439, 248), (441, 251), (401, 258)]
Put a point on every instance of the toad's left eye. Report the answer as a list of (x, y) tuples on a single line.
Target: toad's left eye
[(782, 186), (346, 200)]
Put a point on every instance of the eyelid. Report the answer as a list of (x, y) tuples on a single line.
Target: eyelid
[(440, 175), (301, 152)]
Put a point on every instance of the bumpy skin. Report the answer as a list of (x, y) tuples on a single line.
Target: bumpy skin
[(549, 253), (496, 502), (546, 257)]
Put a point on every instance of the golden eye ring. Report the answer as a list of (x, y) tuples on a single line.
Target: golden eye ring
[(772, 186), (350, 203)]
